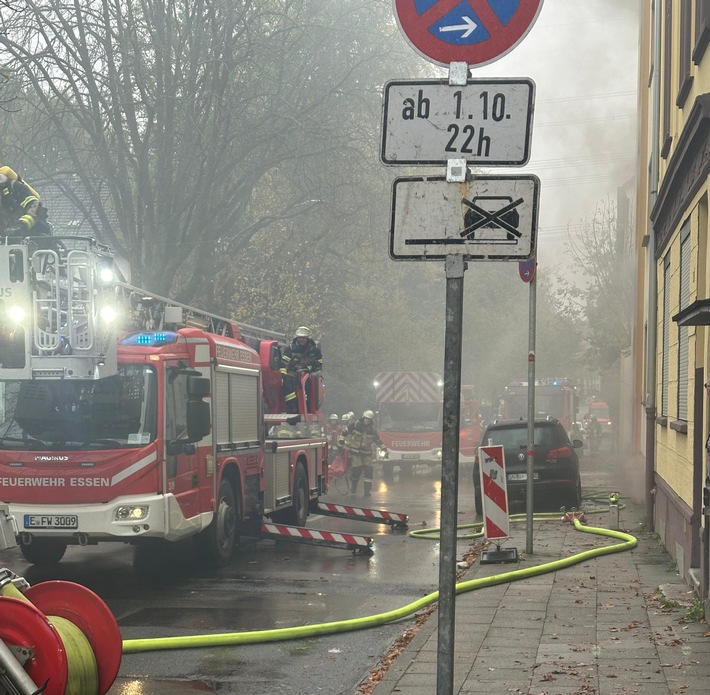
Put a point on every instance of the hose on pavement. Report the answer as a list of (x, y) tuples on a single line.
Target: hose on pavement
[(624, 542)]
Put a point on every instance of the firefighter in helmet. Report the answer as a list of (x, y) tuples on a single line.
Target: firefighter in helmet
[(332, 431), (301, 354), (359, 438), (21, 213)]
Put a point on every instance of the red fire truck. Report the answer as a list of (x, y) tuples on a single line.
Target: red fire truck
[(553, 396), (174, 428), (409, 417), (409, 412)]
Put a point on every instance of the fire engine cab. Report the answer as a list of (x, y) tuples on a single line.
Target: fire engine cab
[(129, 417)]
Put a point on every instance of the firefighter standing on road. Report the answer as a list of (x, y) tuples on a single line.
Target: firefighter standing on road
[(332, 432), (359, 438), (302, 354)]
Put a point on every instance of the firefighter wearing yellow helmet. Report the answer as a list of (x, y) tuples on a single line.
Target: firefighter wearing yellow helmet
[(21, 213), (360, 437), (301, 354)]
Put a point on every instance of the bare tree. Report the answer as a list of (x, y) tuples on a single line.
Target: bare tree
[(183, 114), (600, 297)]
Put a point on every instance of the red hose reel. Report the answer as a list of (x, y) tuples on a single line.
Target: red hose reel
[(66, 638)]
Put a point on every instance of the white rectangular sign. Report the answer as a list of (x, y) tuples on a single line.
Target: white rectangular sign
[(488, 218), (485, 122)]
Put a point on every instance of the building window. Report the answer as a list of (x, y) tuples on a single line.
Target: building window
[(685, 79), (684, 301), (702, 29), (666, 333), (667, 60)]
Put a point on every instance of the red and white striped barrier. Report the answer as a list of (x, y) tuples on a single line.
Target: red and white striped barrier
[(378, 516), (348, 541), (495, 493)]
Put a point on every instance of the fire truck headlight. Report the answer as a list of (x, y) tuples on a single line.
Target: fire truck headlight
[(438, 454), (16, 314), (106, 275), (129, 513), (108, 314)]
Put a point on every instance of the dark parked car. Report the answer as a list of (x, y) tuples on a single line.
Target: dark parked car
[(556, 464)]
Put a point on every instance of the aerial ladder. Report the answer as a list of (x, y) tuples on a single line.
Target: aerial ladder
[(63, 304)]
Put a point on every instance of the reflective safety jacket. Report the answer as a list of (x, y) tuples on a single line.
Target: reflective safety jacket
[(296, 357), (359, 437), (16, 197)]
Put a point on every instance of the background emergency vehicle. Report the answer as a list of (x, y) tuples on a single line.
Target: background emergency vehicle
[(556, 397), (409, 409)]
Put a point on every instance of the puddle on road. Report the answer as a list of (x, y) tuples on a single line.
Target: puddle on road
[(132, 686)]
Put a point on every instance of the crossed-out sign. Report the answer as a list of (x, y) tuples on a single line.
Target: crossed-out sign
[(476, 32), (488, 218)]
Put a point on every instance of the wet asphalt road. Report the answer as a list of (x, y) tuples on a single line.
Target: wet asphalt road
[(269, 585)]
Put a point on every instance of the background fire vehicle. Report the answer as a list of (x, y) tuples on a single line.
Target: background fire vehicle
[(555, 397), (174, 429), (409, 411), (409, 419), (470, 434), (600, 410)]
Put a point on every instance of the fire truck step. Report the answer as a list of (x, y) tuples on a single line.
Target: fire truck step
[(360, 545), (376, 516)]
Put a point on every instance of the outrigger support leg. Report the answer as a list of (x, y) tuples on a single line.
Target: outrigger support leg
[(360, 545), (395, 520)]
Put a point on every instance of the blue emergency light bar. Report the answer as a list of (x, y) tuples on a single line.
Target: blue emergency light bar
[(150, 338)]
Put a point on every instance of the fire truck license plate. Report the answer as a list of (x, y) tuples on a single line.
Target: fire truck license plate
[(410, 456), (51, 521)]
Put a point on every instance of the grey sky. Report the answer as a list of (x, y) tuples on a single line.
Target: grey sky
[(582, 55)]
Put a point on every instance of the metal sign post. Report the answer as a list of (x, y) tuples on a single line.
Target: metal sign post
[(529, 509), (455, 268), (457, 219)]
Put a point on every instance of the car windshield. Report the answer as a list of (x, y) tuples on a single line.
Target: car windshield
[(114, 412), (517, 437)]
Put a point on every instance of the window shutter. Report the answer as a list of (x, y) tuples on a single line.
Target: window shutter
[(683, 330)]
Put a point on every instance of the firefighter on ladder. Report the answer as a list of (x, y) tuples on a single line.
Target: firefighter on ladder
[(301, 354), (359, 438), (21, 212)]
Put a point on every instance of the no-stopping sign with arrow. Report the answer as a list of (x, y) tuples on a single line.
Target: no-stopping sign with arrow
[(476, 32)]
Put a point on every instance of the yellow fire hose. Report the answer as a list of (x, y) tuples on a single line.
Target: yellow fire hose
[(626, 542)]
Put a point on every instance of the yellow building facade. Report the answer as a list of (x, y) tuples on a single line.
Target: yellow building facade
[(671, 343)]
